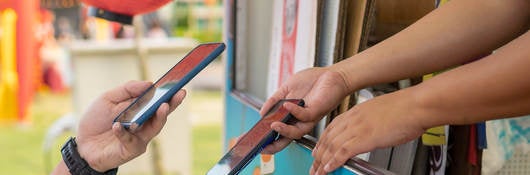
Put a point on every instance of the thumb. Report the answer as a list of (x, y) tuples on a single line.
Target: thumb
[(122, 135)]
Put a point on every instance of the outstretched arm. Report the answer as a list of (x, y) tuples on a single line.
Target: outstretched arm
[(496, 86), (456, 33)]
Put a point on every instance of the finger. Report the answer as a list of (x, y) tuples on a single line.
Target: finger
[(334, 132), (312, 169), (315, 166), (123, 136), (289, 131), (131, 89), (131, 143), (326, 148), (350, 149), (321, 139), (299, 112), (277, 145), (177, 99), (325, 156), (318, 169), (154, 125), (325, 135), (277, 96)]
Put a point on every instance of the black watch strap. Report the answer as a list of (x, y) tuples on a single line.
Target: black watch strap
[(76, 164)]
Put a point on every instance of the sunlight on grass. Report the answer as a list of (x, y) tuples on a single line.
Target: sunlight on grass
[(206, 147), (22, 146)]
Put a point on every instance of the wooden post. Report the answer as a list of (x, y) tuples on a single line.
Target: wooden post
[(142, 55)]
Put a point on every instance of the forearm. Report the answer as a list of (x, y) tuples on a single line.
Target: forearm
[(61, 169), (496, 86), (456, 33)]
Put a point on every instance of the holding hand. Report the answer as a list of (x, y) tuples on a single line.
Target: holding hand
[(106, 145), (321, 89), (384, 121)]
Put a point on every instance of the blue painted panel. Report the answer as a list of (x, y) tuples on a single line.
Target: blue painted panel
[(234, 115), (239, 118), (294, 159)]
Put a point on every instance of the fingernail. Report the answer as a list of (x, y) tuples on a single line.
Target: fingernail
[(278, 128), (116, 125), (327, 168)]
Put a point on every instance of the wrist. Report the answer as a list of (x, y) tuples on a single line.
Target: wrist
[(423, 107), (350, 82), (89, 156), (61, 169), (353, 72), (78, 165)]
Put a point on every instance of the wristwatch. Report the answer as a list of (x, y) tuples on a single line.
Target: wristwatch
[(76, 164)]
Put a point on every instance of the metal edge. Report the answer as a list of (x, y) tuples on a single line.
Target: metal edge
[(354, 165)]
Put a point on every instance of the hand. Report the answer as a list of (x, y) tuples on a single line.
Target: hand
[(384, 121), (105, 145), (321, 89)]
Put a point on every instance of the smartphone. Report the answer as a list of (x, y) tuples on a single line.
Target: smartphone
[(145, 106), (251, 143)]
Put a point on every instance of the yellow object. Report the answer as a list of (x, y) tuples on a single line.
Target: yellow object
[(8, 67), (103, 29), (436, 135)]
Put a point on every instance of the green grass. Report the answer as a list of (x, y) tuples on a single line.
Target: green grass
[(21, 146), (206, 147), (206, 106)]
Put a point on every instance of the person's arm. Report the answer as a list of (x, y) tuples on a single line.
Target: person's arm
[(456, 33), (61, 169), (459, 32), (497, 86)]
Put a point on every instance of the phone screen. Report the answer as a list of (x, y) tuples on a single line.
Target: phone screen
[(251, 143), (164, 88)]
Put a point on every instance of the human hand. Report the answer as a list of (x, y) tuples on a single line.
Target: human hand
[(321, 89), (384, 121), (105, 145)]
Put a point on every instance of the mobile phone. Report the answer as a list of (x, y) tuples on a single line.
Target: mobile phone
[(145, 106), (251, 143)]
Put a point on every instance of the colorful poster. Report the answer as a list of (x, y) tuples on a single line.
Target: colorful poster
[(289, 30), (293, 40), (292, 48)]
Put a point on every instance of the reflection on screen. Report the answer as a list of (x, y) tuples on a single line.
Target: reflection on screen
[(152, 96), (252, 142), (159, 92)]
